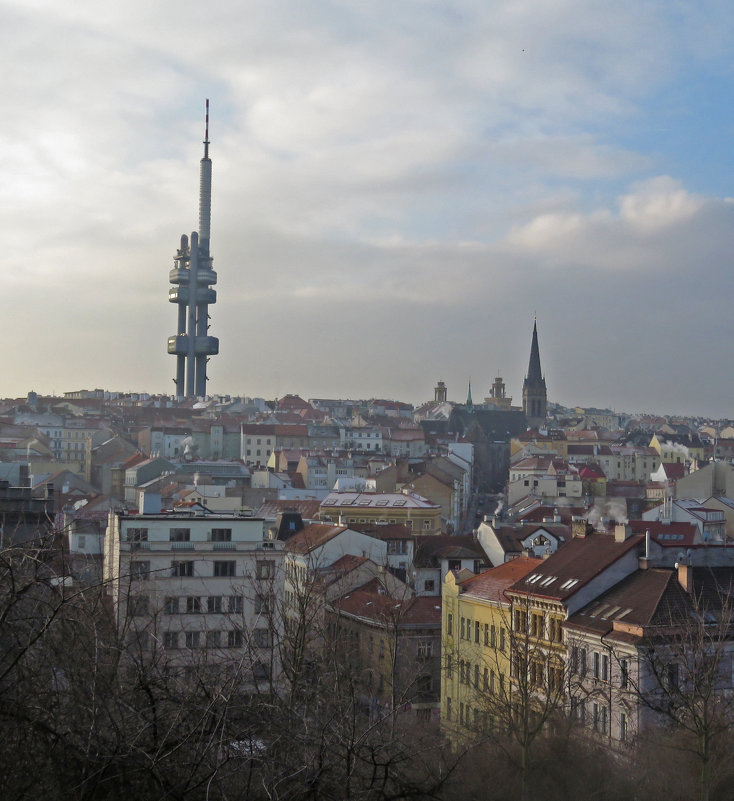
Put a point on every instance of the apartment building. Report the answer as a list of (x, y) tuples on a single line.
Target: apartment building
[(197, 588)]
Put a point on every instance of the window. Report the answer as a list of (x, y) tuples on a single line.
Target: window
[(236, 605), (182, 569), (521, 621), (382, 649), (137, 535), (596, 665), (536, 672), (604, 667), (138, 605), (139, 571), (179, 534), (476, 631), (234, 639), (260, 670), (193, 605), (486, 678), (623, 726), (555, 678), (502, 638), (578, 709), (262, 638), (555, 630), (224, 569), (265, 569), (214, 604), (221, 535), (192, 639), (537, 625), (671, 676), (139, 640), (429, 585), (425, 650), (476, 676), (486, 634), (212, 639), (463, 628), (493, 636), (578, 660), (600, 720), (624, 672), (449, 666), (450, 624), (263, 604), (448, 708), (170, 640), (170, 606)]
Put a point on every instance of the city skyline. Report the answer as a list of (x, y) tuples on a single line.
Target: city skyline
[(397, 191)]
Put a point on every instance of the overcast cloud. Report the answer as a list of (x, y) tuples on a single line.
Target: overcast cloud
[(398, 188)]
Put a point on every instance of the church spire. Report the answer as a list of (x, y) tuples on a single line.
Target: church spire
[(469, 404), (535, 376), (534, 396)]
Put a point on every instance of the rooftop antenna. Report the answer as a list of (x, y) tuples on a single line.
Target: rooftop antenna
[(206, 131)]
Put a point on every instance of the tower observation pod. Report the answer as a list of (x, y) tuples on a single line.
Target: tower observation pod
[(191, 280)]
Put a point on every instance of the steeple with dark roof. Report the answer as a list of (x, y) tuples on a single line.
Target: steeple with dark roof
[(534, 397)]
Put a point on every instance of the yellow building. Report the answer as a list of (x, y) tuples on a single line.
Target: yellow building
[(476, 635), (554, 442), (413, 511), (683, 451)]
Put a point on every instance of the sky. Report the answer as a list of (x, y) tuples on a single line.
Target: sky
[(399, 189)]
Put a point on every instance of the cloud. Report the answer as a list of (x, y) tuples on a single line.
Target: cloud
[(397, 188), (659, 203)]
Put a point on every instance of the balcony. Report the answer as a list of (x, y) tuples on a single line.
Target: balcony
[(178, 275), (182, 275), (199, 546), (180, 294), (203, 346)]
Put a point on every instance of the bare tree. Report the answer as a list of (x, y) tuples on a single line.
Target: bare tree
[(685, 675)]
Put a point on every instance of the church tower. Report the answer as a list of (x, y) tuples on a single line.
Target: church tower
[(534, 396)]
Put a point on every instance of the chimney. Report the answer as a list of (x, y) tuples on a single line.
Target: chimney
[(580, 527), (685, 576), (622, 532)]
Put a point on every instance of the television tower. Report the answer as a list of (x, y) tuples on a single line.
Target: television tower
[(192, 277)]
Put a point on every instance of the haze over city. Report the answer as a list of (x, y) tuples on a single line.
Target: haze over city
[(397, 191)]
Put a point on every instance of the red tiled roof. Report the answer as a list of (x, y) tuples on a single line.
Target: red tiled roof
[(368, 602), (389, 531), (313, 536), (570, 568), (491, 584), (667, 535), (674, 470)]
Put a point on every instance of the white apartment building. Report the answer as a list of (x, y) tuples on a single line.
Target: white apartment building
[(197, 588)]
